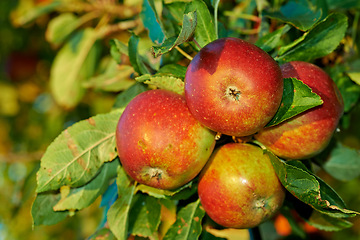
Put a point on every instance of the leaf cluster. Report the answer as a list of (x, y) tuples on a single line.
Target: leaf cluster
[(150, 45)]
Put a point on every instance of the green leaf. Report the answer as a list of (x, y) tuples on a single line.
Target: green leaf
[(175, 69), (297, 98), (319, 41), (118, 214), (187, 31), (144, 217), (350, 92), (73, 64), (205, 28), (328, 194), (42, 209), (26, 14), (103, 234), (150, 20), (82, 197), (354, 71), (185, 190), (187, 224), (134, 56), (343, 163), (118, 48), (114, 78), (122, 99), (76, 155), (60, 27), (163, 81), (327, 223), (300, 14), (270, 41), (346, 4), (308, 188)]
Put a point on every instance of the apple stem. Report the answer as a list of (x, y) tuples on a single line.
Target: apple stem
[(218, 136), (184, 53)]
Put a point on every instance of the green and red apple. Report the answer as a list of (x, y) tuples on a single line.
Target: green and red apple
[(239, 188), (233, 87), (308, 133), (159, 142)]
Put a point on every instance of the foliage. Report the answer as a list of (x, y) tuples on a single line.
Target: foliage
[(107, 52)]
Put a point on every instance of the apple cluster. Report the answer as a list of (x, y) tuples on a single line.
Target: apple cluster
[(232, 87)]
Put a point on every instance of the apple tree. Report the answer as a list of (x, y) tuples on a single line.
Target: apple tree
[(126, 48)]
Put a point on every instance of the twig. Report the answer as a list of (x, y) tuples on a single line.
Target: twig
[(184, 53)]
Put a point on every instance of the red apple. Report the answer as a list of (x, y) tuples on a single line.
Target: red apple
[(238, 187), (308, 133), (159, 142), (233, 87)]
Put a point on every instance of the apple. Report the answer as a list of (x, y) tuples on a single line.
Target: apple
[(233, 87), (308, 133), (238, 187), (159, 142)]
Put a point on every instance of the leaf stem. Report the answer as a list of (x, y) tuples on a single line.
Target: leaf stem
[(216, 5), (196, 43), (184, 53)]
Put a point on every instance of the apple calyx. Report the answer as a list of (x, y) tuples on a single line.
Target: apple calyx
[(233, 93)]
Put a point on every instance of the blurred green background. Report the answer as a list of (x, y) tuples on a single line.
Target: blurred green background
[(30, 120)]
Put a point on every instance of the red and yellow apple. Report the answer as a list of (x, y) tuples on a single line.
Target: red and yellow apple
[(159, 142), (308, 133), (233, 87), (238, 187)]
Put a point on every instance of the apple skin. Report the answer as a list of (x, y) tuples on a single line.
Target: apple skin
[(308, 133), (239, 188), (233, 87), (159, 142)]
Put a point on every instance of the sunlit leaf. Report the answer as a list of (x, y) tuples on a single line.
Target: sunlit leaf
[(297, 98), (118, 214), (26, 13), (118, 48), (188, 223), (74, 63), (187, 31), (163, 81), (205, 28), (60, 27), (76, 155), (114, 78), (187, 189), (144, 217), (82, 197)]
